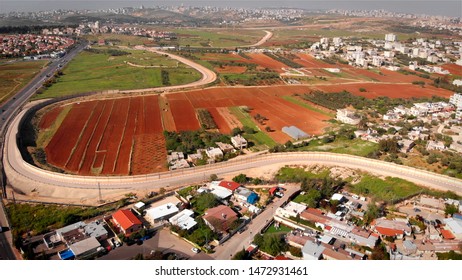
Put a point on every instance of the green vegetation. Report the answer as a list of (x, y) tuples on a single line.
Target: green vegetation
[(271, 243), (206, 119), (294, 175), (280, 229), (284, 60), (258, 137), (187, 191), (451, 255), (356, 147), (204, 201), (202, 235), (390, 189), (189, 141), (39, 218), (299, 102), (251, 78), (241, 255), (14, 76), (99, 71)]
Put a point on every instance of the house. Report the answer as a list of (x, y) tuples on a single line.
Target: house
[(163, 212), (314, 215), (75, 233), (184, 220), (339, 197), (225, 147), (455, 226), (435, 145), (391, 228), (86, 248), (178, 164), (219, 218), (246, 195), (312, 250), (214, 153), (292, 209), (409, 247), (221, 192), (347, 116), (126, 221), (96, 229), (230, 185), (239, 142)]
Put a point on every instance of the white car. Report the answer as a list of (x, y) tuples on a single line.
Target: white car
[(195, 250)]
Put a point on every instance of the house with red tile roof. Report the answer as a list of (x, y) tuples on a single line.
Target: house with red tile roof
[(391, 228), (219, 218), (126, 221), (232, 186)]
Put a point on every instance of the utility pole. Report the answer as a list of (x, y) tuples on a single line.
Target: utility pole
[(99, 191)]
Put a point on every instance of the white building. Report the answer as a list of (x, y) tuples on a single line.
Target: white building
[(292, 209), (239, 142), (347, 116), (162, 212), (456, 100), (184, 220), (214, 153), (390, 37)]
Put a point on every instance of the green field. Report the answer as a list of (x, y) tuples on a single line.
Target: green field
[(281, 229), (91, 71), (259, 138), (15, 75), (118, 39), (356, 147), (218, 38), (388, 189)]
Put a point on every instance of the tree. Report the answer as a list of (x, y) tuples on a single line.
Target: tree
[(450, 209), (241, 179), (268, 129), (372, 212), (236, 131), (213, 177), (205, 201), (296, 252), (241, 255)]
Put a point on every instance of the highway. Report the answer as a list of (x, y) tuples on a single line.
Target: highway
[(7, 112)]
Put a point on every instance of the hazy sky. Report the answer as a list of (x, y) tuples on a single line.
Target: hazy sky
[(445, 7)]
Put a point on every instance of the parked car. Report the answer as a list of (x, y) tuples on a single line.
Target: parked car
[(195, 250)]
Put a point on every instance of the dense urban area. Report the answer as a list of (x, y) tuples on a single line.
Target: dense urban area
[(174, 133)]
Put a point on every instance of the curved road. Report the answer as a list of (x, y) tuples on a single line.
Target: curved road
[(208, 76), (21, 174)]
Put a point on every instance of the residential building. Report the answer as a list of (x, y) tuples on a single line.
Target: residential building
[(214, 153), (230, 185), (239, 142), (312, 250), (245, 195), (184, 220), (435, 145), (219, 218), (126, 221), (163, 212), (225, 147), (391, 228), (86, 248), (291, 209), (348, 116), (456, 100)]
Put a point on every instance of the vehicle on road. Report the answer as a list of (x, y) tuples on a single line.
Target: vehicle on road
[(195, 250)]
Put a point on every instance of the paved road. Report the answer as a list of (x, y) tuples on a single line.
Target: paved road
[(7, 112), (208, 76), (243, 240)]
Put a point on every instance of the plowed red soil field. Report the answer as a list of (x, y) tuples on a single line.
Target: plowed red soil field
[(454, 69), (226, 69), (267, 62), (49, 118), (110, 137)]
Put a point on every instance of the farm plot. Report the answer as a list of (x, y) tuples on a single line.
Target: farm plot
[(267, 62), (110, 137)]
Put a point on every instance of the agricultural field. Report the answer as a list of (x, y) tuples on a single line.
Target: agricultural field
[(222, 38), (15, 75), (103, 68), (106, 137)]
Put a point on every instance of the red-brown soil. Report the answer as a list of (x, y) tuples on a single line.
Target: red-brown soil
[(49, 118), (267, 62), (227, 69), (454, 69)]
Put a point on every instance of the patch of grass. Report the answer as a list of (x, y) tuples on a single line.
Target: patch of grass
[(14, 76), (100, 71), (355, 147), (389, 189), (218, 38), (289, 174), (307, 106), (280, 229), (259, 137)]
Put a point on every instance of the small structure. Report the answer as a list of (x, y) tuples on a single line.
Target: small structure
[(348, 116), (409, 247), (221, 192), (219, 218), (214, 153), (246, 195), (126, 221), (230, 185), (184, 220), (295, 132), (312, 250), (162, 212), (391, 228), (239, 142), (225, 147), (139, 207), (86, 248), (292, 209), (339, 197)]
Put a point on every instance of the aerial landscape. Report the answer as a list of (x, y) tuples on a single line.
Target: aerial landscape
[(191, 131)]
